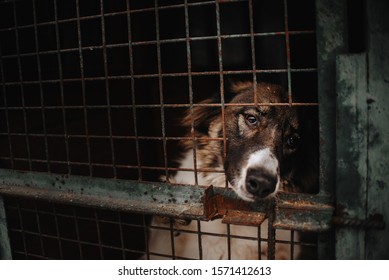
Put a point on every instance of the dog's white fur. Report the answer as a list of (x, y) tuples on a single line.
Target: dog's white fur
[(186, 245)]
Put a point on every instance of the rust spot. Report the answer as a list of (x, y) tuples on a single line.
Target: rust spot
[(244, 218)]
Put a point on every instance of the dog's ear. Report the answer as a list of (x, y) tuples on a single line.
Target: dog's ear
[(239, 86), (202, 115), (205, 112)]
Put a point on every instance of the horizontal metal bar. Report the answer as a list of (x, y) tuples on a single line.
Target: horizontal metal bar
[(151, 138), (163, 75), (119, 195), (373, 222), (155, 42), (293, 211), (310, 213), (149, 106), (146, 167)]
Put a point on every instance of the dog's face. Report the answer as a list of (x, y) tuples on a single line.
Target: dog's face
[(261, 140)]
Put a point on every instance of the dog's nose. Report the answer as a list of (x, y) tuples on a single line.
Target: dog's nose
[(260, 183)]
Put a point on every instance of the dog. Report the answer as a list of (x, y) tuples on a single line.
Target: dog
[(263, 155)]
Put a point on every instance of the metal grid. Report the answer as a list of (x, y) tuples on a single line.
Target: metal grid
[(93, 88), (42, 230)]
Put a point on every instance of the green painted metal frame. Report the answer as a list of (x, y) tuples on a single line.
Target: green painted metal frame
[(121, 195), (362, 146), (351, 153), (5, 245), (378, 130), (331, 41)]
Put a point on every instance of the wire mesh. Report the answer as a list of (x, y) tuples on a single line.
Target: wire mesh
[(42, 230), (94, 88)]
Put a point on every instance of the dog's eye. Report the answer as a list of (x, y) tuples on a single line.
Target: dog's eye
[(292, 142), (251, 120)]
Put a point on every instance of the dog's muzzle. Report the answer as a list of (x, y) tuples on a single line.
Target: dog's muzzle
[(260, 183), (262, 174)]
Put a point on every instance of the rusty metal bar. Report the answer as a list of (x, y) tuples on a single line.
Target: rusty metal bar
[(38, 223), (37, 54), (221, 77), (123, 166), (99, 243), (55, 214), (184, 74), (171, 229), (79, 242), (144, 106), (252, 45), (189, 62), (7, 123), (107, 91), (311, 213), (287, 44), (150, 138), (199, 238), (160, 85), (21, 83), (83, 90), (162, 41), (146, 234), (61, 84), (292, 244), (374, 222), (22, 230), (271, 237), (259, 240), (133, 100), (222, 103)]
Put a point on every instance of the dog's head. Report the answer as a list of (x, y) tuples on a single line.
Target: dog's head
[(262, 140)]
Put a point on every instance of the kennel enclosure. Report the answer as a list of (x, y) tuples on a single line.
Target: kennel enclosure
[(91, 91)]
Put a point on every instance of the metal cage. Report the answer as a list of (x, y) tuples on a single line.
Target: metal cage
[(90, 96)]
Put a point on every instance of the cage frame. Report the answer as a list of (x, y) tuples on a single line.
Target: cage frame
[(308, 212), (293, 211)]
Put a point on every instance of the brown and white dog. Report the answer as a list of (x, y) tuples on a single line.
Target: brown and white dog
[(263, 156)]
